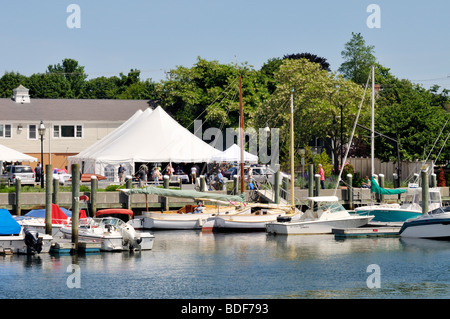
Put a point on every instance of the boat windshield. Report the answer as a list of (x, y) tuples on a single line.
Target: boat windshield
[(440, 210), (331, 207)]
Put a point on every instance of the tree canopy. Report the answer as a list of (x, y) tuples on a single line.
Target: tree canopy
[(209, 91)]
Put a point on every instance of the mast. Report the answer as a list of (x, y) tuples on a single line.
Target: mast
[(372, 155), (241, 132), (292, 150)]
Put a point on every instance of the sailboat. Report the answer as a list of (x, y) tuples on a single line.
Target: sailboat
[(254, 216), (185, 218), (325, 212)]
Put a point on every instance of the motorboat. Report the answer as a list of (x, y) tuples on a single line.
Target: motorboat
[(35, 219), (433, 225), (186, 217), (324, 214), (183, 218), (17, 239), (113, 233), (252, 217), (411, 207)]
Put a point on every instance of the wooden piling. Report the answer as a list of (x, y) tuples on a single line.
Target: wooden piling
[(235, 185), (317, 184), (18, 197), (55, 198), (350, 191), (433, 180), (277, 184), (75, 203), (93, 197), (381, 179), (48, 198), (165, 200), (202, 183), (310, 180), (129, 185), (425, 194)]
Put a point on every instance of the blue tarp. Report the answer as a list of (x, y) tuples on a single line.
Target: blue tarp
[(40, 213), (8, 225)]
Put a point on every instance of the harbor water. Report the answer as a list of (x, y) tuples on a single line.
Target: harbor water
[(196, 265)]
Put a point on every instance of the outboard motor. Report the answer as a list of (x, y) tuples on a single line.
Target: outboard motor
[(33, 242)]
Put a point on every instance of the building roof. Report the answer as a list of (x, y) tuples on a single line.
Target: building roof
[(71, 109)]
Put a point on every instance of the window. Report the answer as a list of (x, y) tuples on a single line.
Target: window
[(5, 130), (68, 131), (32, 132)]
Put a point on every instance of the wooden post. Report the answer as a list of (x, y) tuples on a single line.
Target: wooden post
[(129, 185), (236, 185), (75, 203), (317, 182), (93, 197), (350, 191), (55, 198), (381, 179), (433, 180), (18, 197), (425, 194), (202, 183), (310, 180), (285, 184), (166, 199), (48, 198), (277, 184)]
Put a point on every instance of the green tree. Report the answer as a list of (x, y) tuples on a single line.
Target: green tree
[(318, 97), (210, 91), (9, 81), (414, 116), (358, 59), (73, 73)]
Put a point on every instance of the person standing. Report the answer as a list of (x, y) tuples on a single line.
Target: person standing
[(322, 176), (121, 172), (38, 172), (193, 174)]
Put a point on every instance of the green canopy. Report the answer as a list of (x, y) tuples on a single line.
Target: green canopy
[(375, 188), (185, 194)]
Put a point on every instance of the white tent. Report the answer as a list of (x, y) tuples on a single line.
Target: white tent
[(9, 155), (233, 154), (150, 137)]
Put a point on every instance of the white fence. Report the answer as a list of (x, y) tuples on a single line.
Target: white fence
[(363, 166)]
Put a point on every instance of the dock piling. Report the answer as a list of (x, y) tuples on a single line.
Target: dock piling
[(425, 194), (310, 180), (350, 191), (18, 197), (93, 197), (48, 198), (75, 203)]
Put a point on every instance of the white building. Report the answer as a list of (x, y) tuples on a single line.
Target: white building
[(71, 125)]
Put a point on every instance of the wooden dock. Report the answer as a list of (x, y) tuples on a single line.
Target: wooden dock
[(382, 231), (65, 246)]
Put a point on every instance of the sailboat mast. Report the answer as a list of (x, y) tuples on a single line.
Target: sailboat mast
[(292, 150), (373, 123), (241, 131)]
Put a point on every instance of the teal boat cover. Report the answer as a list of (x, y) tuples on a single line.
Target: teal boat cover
[(8, 225), (186, 194), (375, 188)]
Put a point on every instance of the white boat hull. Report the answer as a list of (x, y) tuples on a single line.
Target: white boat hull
[(16, 244), (108, 242), (243, 221), (316, 226), (170, 221), (429, 227)]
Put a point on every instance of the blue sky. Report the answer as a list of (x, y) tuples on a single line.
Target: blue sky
[(155, 36)]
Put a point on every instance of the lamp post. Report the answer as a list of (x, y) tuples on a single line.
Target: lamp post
[(41, 131)]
